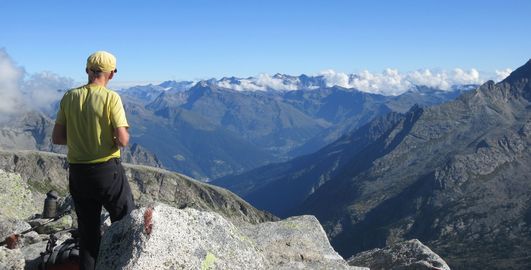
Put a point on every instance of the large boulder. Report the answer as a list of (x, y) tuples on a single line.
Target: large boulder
[(295, 243), (407, 255), (164, 237), (16, 199), (179, 239)]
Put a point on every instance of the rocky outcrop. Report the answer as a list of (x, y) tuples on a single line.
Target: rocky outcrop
[(152, 184), (33, 173), (295, 243), (407, 255), (16, 199), (163, 237), (44, 171), (136, 154)]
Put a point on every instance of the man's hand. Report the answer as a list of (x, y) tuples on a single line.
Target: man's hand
[(59, 134), (121, 136)]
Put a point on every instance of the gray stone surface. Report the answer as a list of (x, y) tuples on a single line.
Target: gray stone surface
[(180, 239), (16, 199), (295, 243), (11, 259), (9, 226), (192, 239), (407, 255)]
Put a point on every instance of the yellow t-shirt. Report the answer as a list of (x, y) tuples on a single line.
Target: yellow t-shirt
[(90, 114)]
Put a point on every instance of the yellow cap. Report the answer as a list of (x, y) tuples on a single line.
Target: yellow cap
[(101, 61)]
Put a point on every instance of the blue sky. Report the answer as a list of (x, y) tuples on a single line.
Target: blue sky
[(161, 40)]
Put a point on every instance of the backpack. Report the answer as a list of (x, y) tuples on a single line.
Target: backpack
[(64, 256)]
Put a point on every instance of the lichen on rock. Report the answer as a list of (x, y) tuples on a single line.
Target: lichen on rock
[(11, 259), (180, 239), (193, 239), (16, 199)]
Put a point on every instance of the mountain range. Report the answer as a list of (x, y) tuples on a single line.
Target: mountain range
[(374, 169), (213, 128), (209, 131), (456, 176)]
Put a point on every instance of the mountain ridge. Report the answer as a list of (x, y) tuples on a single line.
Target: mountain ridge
[(279, 124), (486, 155), (454, 176)]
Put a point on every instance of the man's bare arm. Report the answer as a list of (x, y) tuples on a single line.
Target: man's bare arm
[(122, 136), (59, 134)]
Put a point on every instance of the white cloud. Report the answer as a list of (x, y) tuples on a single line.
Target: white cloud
[(276, 83), (10, 78), (20, 91), (393, 82), (428, 78), (262, 82), (243, 85), (460, 76), (389, 82), (334, 78), (42, 90), (502, 74)]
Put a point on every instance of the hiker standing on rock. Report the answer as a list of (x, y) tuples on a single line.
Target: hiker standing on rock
[(91, 122)]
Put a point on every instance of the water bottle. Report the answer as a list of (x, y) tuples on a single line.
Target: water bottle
[(50, 205)]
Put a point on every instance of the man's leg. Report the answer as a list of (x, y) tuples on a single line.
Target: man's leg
[(119, 200), (88, 211), (88, 219)]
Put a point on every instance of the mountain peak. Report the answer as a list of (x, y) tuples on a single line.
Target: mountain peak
[(520, 73)]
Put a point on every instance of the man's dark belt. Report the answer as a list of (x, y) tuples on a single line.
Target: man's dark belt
[(95, 165)]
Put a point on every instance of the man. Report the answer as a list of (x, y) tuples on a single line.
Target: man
[(91, 122)]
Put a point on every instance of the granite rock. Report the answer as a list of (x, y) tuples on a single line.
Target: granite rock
[(171, 238), (11, 259), (407, 255), (16, 199)]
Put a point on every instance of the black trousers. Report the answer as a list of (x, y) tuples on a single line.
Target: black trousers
[(93, 186)]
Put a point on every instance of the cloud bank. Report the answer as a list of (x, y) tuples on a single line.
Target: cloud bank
[(20, 91), (388, 82), (10, 80), (262, 82), (394, 82)]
